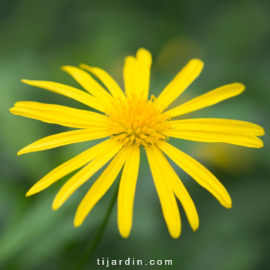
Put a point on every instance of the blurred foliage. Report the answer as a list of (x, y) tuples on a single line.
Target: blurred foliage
[(231, 37)]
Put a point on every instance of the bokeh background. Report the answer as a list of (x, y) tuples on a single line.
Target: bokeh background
[(231, 37)]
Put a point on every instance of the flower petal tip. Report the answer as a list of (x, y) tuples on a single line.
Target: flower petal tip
[(65, 68), (197, 61), (228, 206), (144, 52), (29, 193), (33, 190), (21, 152), (77, 222), (241, 87), (68, 69), (55, 205), (25, 150), (124, 234), (26, 81), (84, 66), (175, 235), (142, 49), (12, 110), (259, 143), (76, 225), (195, 227)]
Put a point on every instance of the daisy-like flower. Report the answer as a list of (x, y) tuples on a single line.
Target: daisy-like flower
[(131, 122)]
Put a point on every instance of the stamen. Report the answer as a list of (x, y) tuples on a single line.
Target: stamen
[(138, 121)]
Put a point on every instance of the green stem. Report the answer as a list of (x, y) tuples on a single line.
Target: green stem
[(93, 245)]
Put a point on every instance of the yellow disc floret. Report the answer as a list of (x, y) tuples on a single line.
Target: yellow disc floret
[(137, 121)]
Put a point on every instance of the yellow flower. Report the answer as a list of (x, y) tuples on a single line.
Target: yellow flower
[(130, 121)]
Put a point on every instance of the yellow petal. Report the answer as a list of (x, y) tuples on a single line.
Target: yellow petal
[(166, 196), (101, 185), (130, 72), (69, 91), (198, 172), (108, 81), (61, 115), (127, 191), (217, 125), (180, 82), (89, 84), (65, 138), (208, 99), (144, 59), (70, 166), (179, 190), (84, 174), (213, 136)]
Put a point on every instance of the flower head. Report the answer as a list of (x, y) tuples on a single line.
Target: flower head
[(138, 121), (131, 122)]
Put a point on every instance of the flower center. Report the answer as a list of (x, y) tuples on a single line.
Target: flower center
[(136, 120)]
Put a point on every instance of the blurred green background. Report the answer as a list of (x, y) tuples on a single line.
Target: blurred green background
[(231, 37)]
